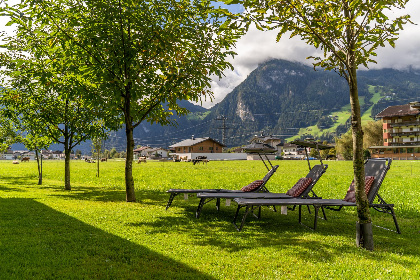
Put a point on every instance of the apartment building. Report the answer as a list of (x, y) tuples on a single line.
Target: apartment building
[(401, 132)]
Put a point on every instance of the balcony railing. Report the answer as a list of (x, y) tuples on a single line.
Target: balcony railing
[(414, 123), (414, 133), (414, 143)]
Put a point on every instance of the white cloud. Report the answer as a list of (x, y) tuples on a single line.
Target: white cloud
[(257, 46)]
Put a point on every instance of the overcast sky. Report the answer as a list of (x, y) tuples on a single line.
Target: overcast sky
[(258, 46)]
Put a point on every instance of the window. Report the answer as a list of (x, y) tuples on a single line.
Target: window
[(411, 138), (411, 129), (384, 130), (410, 150), (211, 148), (179, 149), (385, 140), (396, 151), (217, 148), (201, 148)]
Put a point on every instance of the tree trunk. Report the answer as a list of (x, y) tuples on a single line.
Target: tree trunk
[(129, 182), (359, 168), (67, 152), (39, 167), (98, 164)]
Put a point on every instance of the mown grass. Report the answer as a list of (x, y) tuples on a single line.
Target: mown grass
[(91, 233)]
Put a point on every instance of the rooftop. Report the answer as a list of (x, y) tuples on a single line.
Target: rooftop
[(193, 141), (399, 110)]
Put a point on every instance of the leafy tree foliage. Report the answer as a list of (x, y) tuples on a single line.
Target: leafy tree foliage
[(139, 56), (372, 136), (43, 96)]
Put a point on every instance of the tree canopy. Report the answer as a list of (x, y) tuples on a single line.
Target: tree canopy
[(137, 59)]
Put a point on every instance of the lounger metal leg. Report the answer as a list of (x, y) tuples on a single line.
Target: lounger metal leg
[(323, 212), (200, 206), (316, 207), (248, 209), (218, 204), (395, 220), (316, 216), (236, 214), (171, 198)]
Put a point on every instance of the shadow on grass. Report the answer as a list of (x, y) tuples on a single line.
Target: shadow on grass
[(88, 193), (214, 228), (150, 197), (38, 242), (17, 181)]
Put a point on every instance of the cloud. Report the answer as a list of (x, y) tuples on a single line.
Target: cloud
[(258, 46)]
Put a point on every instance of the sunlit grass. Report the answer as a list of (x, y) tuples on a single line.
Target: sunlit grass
[(91, 233)]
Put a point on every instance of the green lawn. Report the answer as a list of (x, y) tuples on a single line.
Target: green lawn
[(91, 233)]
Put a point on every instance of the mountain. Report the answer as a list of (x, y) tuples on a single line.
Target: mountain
[(282, 98), (287, 99)]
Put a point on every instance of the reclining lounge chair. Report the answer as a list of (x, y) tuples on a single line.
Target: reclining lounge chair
[(376, 169), (257, 186), (302, 189)]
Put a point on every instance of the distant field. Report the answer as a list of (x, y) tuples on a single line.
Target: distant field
[(92, 233)]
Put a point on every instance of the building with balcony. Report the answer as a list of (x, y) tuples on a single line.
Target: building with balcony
[(401, 132)]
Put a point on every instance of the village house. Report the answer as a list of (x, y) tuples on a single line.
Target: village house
[(8, 155), (141, 151), (270, 140), (401, 132), (198, 145), (293, 151), (203, 147), (150, 152)]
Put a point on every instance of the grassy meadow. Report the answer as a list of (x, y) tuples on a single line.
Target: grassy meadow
[(92, 233)]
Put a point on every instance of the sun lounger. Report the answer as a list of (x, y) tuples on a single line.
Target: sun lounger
[(302, 189), (258, 186), (376, 168)]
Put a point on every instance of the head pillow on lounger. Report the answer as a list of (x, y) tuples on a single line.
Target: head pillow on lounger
[(299, 187), (253, 186), (351, 193)]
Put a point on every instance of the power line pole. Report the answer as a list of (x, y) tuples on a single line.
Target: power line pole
[(224, 128)]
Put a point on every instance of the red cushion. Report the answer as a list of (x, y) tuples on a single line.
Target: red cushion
[(351, 193), (299, 187), (253, 186)]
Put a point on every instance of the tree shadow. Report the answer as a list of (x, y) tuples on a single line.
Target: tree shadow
[(41, 243), (16, 181), (150, 197), (214, 228)]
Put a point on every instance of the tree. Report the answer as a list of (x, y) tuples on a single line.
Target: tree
[(78, 154), (113, 152), (372, 136), (44, 95), (96, 149), (13, 129), (344, 145), (142, 56), (348, 32), (8, 131)]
